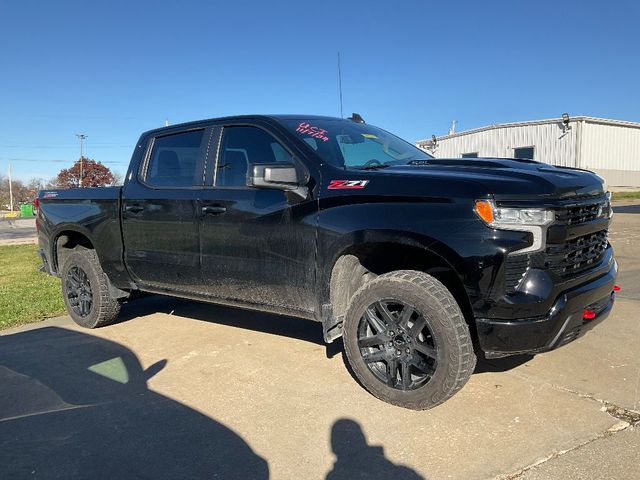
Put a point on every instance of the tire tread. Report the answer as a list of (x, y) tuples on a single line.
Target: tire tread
[(462, 361), (108, 307)]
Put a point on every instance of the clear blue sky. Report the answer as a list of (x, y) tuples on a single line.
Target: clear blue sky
[(113, 69)]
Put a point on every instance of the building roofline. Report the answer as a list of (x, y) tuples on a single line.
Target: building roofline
[(601, 121)]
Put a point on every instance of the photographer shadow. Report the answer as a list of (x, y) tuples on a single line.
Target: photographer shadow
[(357, 459)]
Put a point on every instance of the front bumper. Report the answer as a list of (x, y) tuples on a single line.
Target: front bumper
[(563, 323)]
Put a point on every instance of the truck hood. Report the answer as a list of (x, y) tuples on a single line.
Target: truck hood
[(508, 177)]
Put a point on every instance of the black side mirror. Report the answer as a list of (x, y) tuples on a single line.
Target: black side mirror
[(279, 176)]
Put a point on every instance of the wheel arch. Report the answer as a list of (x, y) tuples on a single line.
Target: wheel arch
[(65, 240), (357, 262)]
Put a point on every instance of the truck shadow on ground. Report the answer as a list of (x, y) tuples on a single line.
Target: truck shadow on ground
[(274, 324), (77, 406), (281, 325)]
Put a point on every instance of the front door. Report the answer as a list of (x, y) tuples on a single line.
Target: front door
[(258, 245)]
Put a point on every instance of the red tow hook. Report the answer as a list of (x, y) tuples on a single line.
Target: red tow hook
[(616, 288), (588, 315)]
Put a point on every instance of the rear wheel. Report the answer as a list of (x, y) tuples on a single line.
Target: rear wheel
[(85, 290), (407, 341)]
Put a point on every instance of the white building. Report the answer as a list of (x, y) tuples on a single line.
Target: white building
[(611, 148)]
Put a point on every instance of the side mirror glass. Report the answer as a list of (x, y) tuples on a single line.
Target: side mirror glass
[(279, 176)]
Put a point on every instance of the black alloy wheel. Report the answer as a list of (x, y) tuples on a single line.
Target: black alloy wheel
[(397, 345), (79, 293)]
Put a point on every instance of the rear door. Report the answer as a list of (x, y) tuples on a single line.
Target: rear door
[(160, 216), (258, 245)]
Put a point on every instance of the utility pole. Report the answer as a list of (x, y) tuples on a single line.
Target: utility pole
[(82, 137), (10, 190)]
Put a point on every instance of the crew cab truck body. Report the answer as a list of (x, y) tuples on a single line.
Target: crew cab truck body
[(411, 259)]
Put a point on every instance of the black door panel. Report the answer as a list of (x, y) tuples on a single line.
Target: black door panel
[(261, 250), (160, 216)]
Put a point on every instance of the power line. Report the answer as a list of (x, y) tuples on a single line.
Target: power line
[(105, 145), (13, 159)]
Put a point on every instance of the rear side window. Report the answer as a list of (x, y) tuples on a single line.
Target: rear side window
[(242, 146), (174, 160)]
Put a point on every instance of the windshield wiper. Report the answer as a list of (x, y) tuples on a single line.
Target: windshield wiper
[(377, 166)]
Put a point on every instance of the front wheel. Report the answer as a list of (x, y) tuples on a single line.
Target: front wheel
[(85, 290), (407, 341)]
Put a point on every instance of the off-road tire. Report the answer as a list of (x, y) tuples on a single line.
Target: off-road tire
[(104, 308), (455, 356)]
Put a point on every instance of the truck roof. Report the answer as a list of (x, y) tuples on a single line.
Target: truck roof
[(197, 123)]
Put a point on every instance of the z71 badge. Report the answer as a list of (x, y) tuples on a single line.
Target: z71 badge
[(343, 184)]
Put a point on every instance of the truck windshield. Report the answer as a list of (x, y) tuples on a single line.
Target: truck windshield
[(347, 144)]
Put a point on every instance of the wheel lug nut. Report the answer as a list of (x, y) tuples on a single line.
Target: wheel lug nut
[(391, 333), (408, 350), (398, 352)]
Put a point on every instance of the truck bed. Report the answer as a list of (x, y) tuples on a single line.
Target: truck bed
[(94, 212)]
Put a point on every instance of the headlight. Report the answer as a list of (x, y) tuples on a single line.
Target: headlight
[(501, 217), (533, 220)]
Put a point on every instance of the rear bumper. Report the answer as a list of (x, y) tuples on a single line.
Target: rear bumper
[(562, 324)]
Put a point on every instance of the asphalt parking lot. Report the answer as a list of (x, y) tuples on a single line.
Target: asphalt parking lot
[(18, 231), (187, 390)]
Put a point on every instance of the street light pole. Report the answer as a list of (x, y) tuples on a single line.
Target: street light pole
[(10, 190), (82, 137)]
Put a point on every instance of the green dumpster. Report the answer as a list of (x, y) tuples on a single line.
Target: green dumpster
[(26, 210)]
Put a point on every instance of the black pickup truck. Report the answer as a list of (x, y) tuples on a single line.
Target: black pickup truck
[(418, 263)]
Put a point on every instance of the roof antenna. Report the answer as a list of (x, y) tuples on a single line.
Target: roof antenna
[(340, 84), (166, 122)]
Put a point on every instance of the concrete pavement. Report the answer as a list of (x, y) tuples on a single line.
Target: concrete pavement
[(183, 389)]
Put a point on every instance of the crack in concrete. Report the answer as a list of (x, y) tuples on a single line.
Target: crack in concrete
[(628, 415), (611, 431), (627, 418)]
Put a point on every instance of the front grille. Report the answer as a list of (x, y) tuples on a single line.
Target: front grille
[(571, 257), (576, 255), (582, 213)]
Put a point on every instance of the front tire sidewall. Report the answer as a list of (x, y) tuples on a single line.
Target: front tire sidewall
[(439, 320)]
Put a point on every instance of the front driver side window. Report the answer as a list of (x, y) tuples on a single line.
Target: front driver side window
[(242, 146)]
